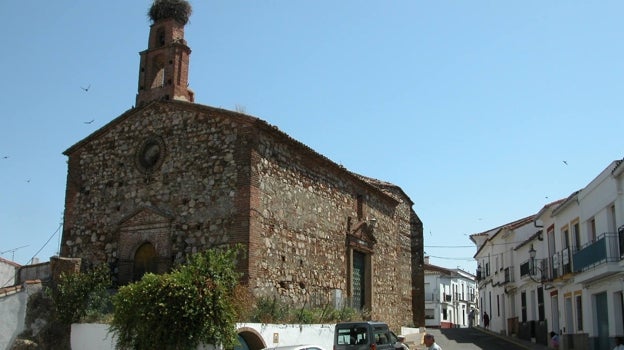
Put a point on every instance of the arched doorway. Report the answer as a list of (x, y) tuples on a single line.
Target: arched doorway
[(145, 260), (249, 339)]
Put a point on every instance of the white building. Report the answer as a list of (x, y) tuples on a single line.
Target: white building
[(561, 269), (8, 272), (588, 238), (450, 295), (501, 257)]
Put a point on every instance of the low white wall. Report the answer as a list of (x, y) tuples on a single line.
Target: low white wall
[(413, 336), (292, 334), (95, 336), (91, 336), (88, 336)]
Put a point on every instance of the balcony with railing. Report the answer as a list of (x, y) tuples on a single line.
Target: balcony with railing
[(561, 263), (599, 258), (509, 275), (538, 270)]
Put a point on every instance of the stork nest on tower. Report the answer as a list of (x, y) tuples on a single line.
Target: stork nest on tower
[(179, 10)]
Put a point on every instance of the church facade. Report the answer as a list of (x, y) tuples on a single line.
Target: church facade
[(170, 177)]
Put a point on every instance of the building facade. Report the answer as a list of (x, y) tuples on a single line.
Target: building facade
[(450, 297), (8, 272), (566, 268), (170, 177)]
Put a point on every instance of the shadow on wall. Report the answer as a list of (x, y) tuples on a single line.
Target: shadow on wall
[(13, 306)]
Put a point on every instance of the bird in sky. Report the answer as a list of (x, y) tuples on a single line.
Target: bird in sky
[(5, 157), (86, 89), (565, 162), (90, 121)]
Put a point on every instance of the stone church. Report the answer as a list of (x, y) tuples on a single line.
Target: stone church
[(171, 177)]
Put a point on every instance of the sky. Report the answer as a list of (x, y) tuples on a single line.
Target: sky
[(481, 111)]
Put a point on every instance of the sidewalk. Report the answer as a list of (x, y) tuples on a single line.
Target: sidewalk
[(520, 342)]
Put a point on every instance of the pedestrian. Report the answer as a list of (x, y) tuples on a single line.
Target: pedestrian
[(619, 343), (430, 343), (471, 318), (400, 343), (486, 320), (554, 340)]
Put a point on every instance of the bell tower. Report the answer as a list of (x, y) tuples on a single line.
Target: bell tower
[(163, 73)]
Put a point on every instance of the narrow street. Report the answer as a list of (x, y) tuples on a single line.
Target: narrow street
[(473, 339)]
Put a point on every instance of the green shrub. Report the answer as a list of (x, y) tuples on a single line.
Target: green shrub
[(270, 310), (273, 310), (307, 316), (191, 305), (81, 295)]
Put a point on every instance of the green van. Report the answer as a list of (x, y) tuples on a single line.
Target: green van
[(363, 336)]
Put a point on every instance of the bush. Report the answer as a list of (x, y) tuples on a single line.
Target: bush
[(244, 302), (273, 310), (270, 310), (191, 305), (77, 296)]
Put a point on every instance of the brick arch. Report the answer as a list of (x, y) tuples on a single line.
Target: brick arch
[(144, 226), (157, 75), (251, 338)]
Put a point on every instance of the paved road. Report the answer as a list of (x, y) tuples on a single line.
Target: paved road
[(470, 339)]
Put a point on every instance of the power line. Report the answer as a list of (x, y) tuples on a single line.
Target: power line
[(12, 251), (473, 246), (46, 243), (447, 258), (33, 257)]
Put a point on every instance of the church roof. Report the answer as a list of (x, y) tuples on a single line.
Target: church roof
[(373, 184)]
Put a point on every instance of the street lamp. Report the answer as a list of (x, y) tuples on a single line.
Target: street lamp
[(532, 267)]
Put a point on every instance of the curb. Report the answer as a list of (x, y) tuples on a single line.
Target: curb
[(506, 338)]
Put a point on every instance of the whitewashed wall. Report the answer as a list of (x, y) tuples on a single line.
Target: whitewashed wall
[(88, 336), (91, 336), (293, 334), (13, 308), (8, 272)]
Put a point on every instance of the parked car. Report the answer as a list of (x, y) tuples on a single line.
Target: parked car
[(363, 336)]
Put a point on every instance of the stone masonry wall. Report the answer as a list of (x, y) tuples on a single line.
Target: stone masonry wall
[(303, 207), (212, 177), (194, 183)]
